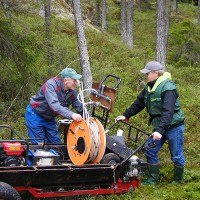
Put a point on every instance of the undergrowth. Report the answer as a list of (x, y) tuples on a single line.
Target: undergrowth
[(21, 77)]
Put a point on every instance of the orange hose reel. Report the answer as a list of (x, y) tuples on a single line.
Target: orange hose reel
[(82, 146)]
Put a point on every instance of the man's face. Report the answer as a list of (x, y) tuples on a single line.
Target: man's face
[(151, 76), (69, 83)]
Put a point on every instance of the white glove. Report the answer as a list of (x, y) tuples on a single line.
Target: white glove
[(76, 117), (156, 136), (120, 117)]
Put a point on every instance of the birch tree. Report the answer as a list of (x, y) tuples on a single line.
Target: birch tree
[(82, 45), (123, 21), (103, 16), (129, 39), (161, 32)]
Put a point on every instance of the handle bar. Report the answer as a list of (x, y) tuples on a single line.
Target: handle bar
[(114, 76)]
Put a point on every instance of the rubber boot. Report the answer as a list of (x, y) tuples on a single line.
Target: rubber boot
[(178, 174), (153, 175)]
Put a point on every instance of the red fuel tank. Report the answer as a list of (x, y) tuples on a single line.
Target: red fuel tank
[(12, 149)]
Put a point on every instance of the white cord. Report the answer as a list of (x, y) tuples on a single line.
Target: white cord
[(93, 127), (81, 94), (80, 98), (96, 142)]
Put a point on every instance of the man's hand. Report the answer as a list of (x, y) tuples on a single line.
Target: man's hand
[(120, 117), (76, 117), (156, 136)]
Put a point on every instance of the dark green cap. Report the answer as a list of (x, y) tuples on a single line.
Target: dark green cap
[(70, 73)]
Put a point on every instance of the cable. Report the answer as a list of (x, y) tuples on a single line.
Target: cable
[(96, 141), (92, 125), (80, 98), (81, 94)]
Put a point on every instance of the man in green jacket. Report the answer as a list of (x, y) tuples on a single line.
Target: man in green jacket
[(160, 98)]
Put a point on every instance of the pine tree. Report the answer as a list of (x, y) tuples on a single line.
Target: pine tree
[(123, 21), (129, 39), (103, 16), (82, 45), (161, 32), (47, 10), (175, 6), (199, 12)]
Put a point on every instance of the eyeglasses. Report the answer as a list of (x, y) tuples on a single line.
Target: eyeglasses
[(147, 74)]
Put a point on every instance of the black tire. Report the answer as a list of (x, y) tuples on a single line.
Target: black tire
[(110, 158), (7, 192)]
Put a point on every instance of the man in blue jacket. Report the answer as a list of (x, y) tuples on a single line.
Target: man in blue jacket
[(52, 99), (160, 98)]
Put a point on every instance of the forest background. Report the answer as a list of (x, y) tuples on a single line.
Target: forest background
[(29, 56)]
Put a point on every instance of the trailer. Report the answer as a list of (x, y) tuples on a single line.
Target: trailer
[(88, 162)]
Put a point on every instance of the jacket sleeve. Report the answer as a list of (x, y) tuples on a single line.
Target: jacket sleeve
[(137, 106), (53, 102), (168, 104)]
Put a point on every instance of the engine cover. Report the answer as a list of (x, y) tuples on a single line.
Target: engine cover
[(9, 161), (12, 148)]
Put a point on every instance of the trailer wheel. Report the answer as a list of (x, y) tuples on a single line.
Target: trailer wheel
[(110, 158), (7, 192)]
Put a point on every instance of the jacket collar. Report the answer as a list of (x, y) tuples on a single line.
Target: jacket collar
[(162, 78)]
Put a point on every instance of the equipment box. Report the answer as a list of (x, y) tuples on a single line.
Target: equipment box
[(41, 157)]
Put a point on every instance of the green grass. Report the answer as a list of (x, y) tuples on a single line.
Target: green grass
[(109, 56)]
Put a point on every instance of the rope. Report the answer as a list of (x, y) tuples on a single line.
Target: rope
[(96, 142), (93, 127), (80, 97)]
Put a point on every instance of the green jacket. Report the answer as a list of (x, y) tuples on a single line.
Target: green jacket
[(153, 100)]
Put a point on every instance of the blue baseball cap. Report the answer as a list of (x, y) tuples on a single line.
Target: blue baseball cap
[(70, 73)]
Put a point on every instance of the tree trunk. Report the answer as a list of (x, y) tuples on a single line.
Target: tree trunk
[(82, 45), (69, 2), (199, 12), (103, 16), (160, 33), (47, 9), (175, 6), (168, 23), (5, 6), (130, 24), (97, 18), (123, 21), (147, 4)]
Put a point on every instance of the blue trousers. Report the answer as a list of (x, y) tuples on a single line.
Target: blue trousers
[(40, 128), (174, 136)]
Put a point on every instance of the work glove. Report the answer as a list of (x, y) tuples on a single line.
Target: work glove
[(76, 117), (156, 136), (120, 117)]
